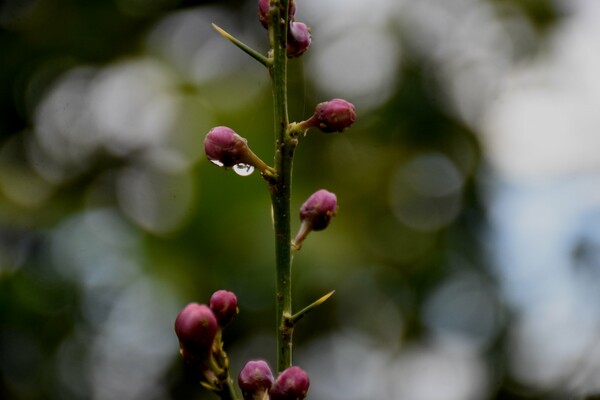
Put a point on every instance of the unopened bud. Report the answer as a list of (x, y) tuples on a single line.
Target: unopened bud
[(332, 116), (255, 380), (318, 210), (315, 214), (263, 12), (298, 39), (226, 148), (291, 384), (224, 306), (196, 328), (264, 9)]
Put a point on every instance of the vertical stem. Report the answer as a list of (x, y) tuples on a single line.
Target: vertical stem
[(229, 393), (281, 187)]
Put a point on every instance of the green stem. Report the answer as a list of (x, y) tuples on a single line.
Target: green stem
[(281, 187), (229, 393)]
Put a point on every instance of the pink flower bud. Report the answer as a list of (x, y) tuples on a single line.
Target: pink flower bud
[(226, 148), (255, 379), (291, 384), (318, 210), (223, 146), (298, 39), (196, 328), (315, 215), (331, 116), (224, 306), (263, 11), (335, 115)]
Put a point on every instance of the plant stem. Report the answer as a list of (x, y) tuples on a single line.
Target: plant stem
[(230, 393), (281, 187)]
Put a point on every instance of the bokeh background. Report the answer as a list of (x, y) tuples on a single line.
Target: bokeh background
[(466, 252)]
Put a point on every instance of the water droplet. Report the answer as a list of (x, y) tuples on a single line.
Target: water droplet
[(217, 163), (243, 169)]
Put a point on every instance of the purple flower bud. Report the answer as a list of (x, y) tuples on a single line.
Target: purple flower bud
[(255, 379), (226, 148), (335, 115), (315, 215), (224, 305), (196, 328), (318, 210), (291, 384), (263, 11), (298, 39)]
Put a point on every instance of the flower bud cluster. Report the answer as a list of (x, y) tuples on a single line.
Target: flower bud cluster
[(197, 326), (256, 380)]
